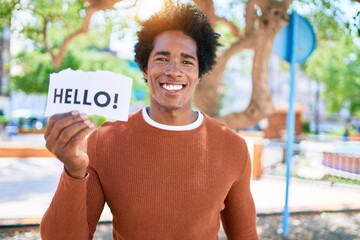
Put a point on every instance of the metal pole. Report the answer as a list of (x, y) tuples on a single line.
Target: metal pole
[(290, 123)]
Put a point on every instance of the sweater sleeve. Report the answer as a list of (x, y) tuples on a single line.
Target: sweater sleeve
[(239, 216), (75, 208)]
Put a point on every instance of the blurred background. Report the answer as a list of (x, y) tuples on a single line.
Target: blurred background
[(248, 90)]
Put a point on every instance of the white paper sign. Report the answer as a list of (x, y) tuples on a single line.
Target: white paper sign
[(101, 93)]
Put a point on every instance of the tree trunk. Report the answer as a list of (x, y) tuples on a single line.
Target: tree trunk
[(206, 94), (94, 5), (260, 39), (260, 105), (57, 59)]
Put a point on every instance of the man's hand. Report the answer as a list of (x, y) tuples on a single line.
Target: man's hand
[(65, 137)]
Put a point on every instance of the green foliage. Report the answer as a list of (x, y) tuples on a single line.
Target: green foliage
[(6, 10), (329, 18), (336, 64), (336, 60), (35, 75), (306, 126), (88, 52), (335, 179), (97, 120), (36, 67), (227, 38), (4, 120), (53, 19)]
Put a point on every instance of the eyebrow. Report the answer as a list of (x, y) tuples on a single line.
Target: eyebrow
[(185, 55), (166, 53)]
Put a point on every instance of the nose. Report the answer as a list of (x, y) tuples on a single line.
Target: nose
[(173, 69)]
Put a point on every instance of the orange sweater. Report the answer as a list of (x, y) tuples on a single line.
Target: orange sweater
[(159, 184)]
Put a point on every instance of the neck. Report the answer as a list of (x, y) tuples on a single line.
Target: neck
[(178, 117)]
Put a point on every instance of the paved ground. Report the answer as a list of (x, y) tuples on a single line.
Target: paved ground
[(27, 186), (327, 226)]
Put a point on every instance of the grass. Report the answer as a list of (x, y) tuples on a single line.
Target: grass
[(335, 179)]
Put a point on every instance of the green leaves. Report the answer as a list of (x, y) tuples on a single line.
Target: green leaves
[(53, 20), (336, 60), (36, 67), (6, 10), (331, 18), (48, 23), (336, 64)]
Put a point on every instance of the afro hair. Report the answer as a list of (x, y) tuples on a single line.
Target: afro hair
[(186, 18)]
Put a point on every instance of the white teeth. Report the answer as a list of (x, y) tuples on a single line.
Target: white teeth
[(172, 87)]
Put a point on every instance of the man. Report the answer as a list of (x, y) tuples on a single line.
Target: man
[(170, 172)]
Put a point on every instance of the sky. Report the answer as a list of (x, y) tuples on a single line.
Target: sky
[(145, 8), (123, 43)]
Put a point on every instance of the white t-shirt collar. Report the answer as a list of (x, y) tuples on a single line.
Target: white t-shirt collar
[(190, 126)]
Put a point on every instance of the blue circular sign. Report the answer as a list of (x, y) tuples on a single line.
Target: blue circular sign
[(304, 43)]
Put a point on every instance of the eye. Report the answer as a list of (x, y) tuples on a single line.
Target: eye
[(187, 62), (161, 59)]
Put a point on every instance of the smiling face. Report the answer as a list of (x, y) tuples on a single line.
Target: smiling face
[(172, 72)]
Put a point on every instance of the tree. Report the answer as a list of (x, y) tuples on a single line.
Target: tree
[(55, 20), (263, 20), (336, 65), (87, 53), (6, 11), (52, 32), (336, 60)]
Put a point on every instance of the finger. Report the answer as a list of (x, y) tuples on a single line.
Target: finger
[(78, 138), (52, 120), (64, 122), (78, 147), (53, 135), (69, 132)]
